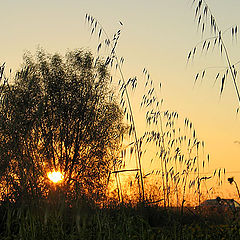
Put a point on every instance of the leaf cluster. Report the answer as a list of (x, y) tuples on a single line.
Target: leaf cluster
[(59, 114)]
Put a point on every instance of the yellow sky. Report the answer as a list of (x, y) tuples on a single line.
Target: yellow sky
[(157, 35)]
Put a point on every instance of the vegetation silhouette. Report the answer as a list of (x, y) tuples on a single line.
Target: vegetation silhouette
[(179, 155), (207, 23), (59, 114)]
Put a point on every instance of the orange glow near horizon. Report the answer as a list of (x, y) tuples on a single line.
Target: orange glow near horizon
[(55, 177)]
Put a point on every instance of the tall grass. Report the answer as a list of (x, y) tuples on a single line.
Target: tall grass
[(177, 161), (178, 153), (83, 221), (206, 20), (112, 59)]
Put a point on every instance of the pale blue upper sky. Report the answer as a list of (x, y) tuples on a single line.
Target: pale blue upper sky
[(158, 35)]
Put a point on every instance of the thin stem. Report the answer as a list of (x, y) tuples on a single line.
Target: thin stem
[(231, 69), (237, 188), (113, 53), (165, 186), (135, 133), (227, 55)]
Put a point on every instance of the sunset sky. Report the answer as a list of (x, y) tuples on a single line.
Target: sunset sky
[(157, 35)]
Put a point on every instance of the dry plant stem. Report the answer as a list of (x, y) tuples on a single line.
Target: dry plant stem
[(120, 187), (118, 190), (227, 55), (113, 54), (199, 182), (163, 180), (184, 189), (165, 186), (231, 69), (125, 170), (142, 198), (207, 188), (237, 188), (166, 176), (163, 163), (176, 185)]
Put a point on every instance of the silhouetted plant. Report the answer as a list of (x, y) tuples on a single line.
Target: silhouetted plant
[(178, 150), (204, 19), (178, 153), (59, 114), (112, 60), (231, 181)]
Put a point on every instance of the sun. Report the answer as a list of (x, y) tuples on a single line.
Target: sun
[(55, 177)]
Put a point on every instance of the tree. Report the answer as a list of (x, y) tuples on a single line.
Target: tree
[(59, 114)]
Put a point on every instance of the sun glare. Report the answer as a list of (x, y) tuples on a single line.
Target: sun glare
[(55, 177)]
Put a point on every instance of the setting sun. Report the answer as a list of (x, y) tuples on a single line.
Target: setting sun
[(55, 176)]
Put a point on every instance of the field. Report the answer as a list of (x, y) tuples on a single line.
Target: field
[(87, 221), (87, 152)]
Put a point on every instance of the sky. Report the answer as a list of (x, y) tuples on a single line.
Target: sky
[(157, 35)]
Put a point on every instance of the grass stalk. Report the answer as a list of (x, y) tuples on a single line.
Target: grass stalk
[(202, 4), (113, 55)]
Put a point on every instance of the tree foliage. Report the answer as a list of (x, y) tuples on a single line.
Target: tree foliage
[(59, 114)]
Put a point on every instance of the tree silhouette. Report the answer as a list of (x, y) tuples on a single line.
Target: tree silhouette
[(59, 114)]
